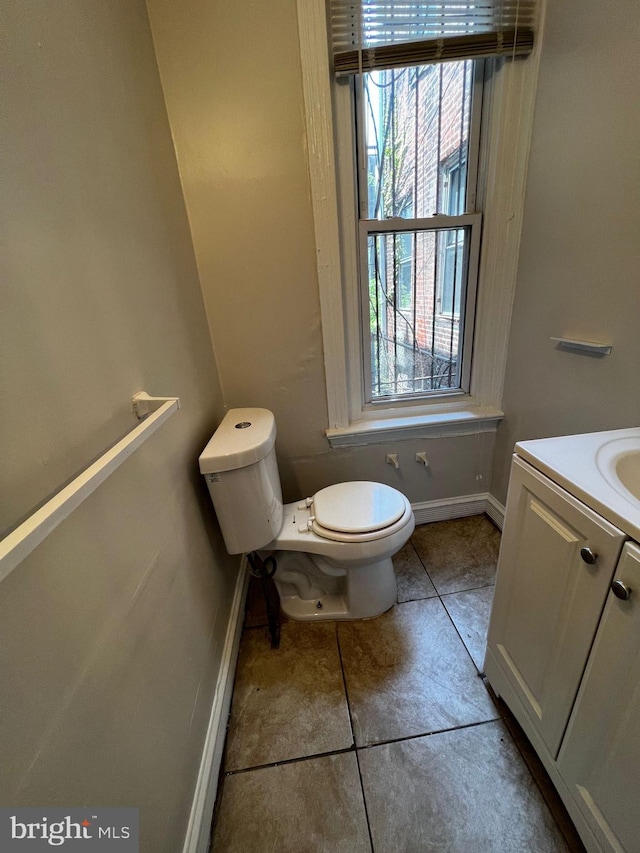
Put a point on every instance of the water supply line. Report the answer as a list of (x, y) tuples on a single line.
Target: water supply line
[(265, 570)]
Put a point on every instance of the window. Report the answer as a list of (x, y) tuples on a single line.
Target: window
[(417, 132), (397, 227)]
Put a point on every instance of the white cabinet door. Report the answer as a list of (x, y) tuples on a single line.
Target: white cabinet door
[(600, 755), (548, 599)]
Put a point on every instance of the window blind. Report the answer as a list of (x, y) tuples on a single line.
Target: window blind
[(371, 34)]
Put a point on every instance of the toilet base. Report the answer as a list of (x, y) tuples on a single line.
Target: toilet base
[(308, 593), (317, 610), (333, 607)]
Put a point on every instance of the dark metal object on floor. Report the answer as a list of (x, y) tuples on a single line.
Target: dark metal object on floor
[(265, 570)]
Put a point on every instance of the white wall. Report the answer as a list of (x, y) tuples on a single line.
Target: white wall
[(112, 630), (579, 271), (232, 81), (231, 77)]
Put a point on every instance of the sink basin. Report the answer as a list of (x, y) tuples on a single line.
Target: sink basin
[(628, 471), (619, 463)]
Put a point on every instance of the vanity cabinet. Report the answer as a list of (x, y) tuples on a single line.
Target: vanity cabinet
[(600, 755), (563, 652), (557, 559)]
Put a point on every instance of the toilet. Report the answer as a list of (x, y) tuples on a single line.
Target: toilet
[(333, 550)]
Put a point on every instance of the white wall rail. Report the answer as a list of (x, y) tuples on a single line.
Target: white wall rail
[(151, 412)]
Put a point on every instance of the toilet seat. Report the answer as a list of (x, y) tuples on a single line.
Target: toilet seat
[(358, 511)]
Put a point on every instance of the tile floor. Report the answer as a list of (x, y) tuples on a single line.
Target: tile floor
[(380, 735)]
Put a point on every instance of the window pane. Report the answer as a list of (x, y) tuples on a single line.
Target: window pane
[(451, 247), (415, 289), (416, 131)]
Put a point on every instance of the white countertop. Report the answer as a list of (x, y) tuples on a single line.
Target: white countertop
[(585, 466)]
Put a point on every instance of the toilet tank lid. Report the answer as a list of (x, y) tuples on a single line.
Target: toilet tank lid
[(245, 436)]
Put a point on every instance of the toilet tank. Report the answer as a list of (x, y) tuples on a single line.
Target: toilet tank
[(239, 465)]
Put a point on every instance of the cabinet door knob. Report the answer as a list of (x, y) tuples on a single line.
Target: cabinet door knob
[(588, 555), (621, 590)]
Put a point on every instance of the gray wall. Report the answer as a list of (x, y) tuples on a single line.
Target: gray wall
[(579, 271), (112, 630)]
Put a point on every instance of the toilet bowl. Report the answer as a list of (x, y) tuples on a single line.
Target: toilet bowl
[(332, 550)]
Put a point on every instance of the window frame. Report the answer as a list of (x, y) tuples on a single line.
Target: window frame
[(471, 222), (355, 215), (503, 161)]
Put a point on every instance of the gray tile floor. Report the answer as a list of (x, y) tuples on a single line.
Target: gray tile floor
[(380, 735)]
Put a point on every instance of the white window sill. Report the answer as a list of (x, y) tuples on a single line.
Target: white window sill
[(467, 421)]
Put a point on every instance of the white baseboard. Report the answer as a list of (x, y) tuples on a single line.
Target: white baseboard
[(447, 508), (197, 839), (495, 511)]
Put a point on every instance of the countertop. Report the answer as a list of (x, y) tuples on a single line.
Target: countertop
[(584, 465)]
